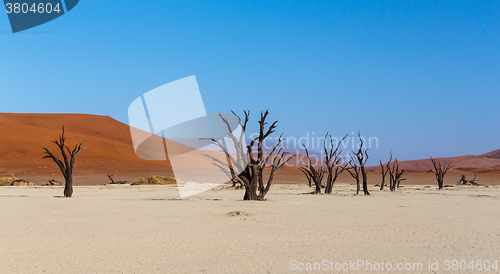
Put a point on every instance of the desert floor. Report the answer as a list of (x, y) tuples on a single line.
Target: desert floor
[(148, 229)]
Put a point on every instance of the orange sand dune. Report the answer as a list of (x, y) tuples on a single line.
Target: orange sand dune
[(109, 148)]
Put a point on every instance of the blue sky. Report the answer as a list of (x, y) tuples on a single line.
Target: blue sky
[(421, 76)]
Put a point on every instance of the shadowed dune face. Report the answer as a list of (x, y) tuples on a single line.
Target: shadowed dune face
[(110, 150)]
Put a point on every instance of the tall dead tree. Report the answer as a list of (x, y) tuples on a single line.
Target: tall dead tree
[(313, 172), (439, 170), (67, 163), (249, 168), (333, 163), (396, 175), (358, 161)]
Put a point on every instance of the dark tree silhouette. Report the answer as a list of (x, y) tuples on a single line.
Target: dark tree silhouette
[(396, 175), (358, 161), (439, 170), (333, 164), (314, 173), (248, 168), (384, 173), (68, 162)]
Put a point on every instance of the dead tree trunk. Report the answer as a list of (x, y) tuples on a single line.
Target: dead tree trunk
[(359, 159), (68, 162), (250, 168), (354, 170), (384, 173), (439, 170), (333, 160)]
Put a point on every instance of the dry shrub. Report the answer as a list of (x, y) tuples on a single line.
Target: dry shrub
[(157, 180), (12, 181)]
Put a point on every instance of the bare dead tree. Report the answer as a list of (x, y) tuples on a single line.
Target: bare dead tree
[(355, 172), (439, 170), (385, 171), (396, 175), (249, 168), (66, 165), (358, 161), (314, 173), (464, 182), (110, 176), (333, 162)]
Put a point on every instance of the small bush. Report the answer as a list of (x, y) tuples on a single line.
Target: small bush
[(157, 180), (10, 181), (6, 181)]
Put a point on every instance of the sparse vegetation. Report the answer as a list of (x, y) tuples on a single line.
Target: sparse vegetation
[(12, 181), (6, 181), (157, 180)]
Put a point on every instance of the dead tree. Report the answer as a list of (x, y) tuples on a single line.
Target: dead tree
[(314, 173), (333, 164), (464, 182), (66, 165), (110, 176), (395, 174), (354, 170), (384, 173), (439, 170), (358, 161), (247, 166)]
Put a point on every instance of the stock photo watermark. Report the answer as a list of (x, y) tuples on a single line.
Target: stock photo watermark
[(27, 14), (317, 145), (366, 265)]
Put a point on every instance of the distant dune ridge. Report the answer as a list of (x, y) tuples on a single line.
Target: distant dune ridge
[(110, 150)]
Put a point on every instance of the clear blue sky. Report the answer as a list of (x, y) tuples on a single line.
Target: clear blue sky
[(421, 76)]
